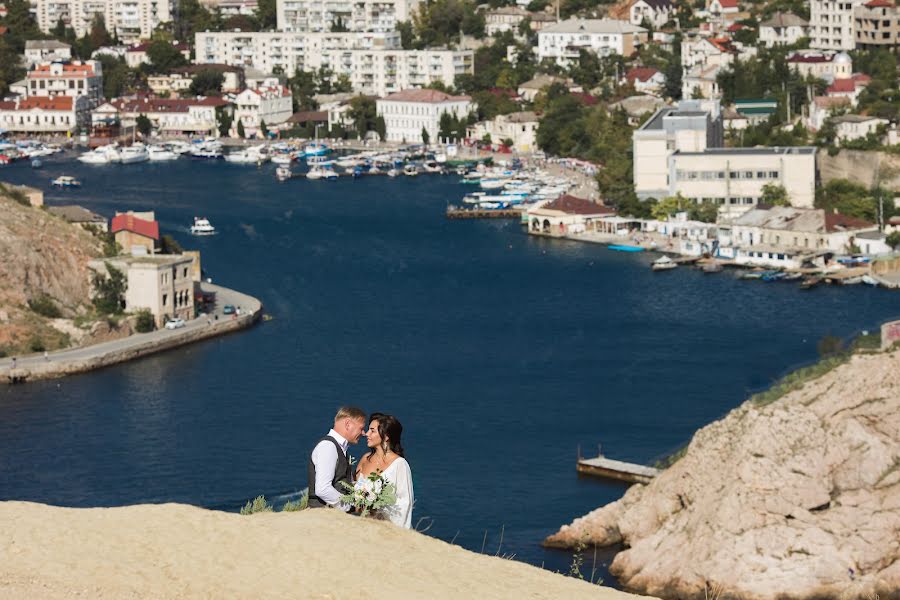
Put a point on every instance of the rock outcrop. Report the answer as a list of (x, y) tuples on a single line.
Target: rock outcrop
[(43, 258), (798, 498)]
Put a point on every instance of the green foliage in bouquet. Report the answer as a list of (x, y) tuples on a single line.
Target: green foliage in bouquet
[(370, 494)]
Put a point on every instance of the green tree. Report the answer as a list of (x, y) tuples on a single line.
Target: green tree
[(224, 121), (303, 88), (164, 56), (263, 128), (207, 82), (98, 34), (240, 129), (893, 239), (667, 207), (266, 14), (109, 290), (240, 23), (10, 66), (774, 194), (439, 23), (143, 124), (343, 85), (380, 127), (848, 198), (169, 245), (192, 17), (144, 323), (425, 137), (117, 76), (363, 114)]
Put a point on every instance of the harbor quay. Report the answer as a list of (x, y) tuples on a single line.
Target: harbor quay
[(213, 323)]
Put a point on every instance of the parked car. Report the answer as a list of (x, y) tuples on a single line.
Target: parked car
[(175, 324), (228, 310)]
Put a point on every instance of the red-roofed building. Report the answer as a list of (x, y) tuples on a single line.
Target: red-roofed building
[(407, 113), (646, 80), (272, 105), (172, 116), (877, 25), (74, 79), (849, 88), (566, 215), (722, 7), (44, 114), (134, 234)]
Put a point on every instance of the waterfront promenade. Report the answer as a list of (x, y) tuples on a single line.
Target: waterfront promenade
[(88, 358)]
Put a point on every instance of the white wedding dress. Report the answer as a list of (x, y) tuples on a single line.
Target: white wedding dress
[(399, 513)]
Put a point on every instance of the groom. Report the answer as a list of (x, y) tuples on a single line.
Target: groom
[(329, 466)]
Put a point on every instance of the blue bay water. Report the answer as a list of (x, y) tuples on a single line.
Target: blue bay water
[(500, 354)]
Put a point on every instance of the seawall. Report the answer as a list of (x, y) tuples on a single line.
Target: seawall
[(89, 358)]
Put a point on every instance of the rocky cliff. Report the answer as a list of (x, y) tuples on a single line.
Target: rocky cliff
[(797, 498), (43, 259)]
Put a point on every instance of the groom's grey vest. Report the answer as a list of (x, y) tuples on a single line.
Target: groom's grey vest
[(342, 473)]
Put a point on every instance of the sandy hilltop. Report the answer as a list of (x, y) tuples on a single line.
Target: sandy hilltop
[(181, 552), (793, 498)]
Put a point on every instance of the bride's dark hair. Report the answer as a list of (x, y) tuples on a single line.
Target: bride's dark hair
[(390, 429)]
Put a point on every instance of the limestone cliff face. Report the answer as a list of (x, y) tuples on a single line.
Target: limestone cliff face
[(41, 255), (798, 498)]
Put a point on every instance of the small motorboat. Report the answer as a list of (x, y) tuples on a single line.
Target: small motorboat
[(410, 170), (792, 276), (283, 173), (869, 280), (664, 264), (772, 276), (625, 248), (158, 153), (36, 164), (136, 153), (202, 226), (756, 274), (65, 181), (393, 173)]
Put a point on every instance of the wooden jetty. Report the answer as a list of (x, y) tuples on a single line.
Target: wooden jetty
[(608, 468), (463, 213)]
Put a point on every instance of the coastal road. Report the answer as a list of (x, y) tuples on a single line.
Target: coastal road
[(215, 319)]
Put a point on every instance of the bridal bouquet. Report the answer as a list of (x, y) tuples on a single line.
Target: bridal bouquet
[(370, 494)]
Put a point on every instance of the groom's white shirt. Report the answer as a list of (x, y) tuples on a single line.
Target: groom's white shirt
[(324, 456)]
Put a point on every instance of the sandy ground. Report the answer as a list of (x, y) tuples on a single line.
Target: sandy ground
[(175, 551)]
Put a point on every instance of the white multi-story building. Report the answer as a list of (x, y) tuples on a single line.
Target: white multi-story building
[(39, 51), (255, 106), (408, 112), (563, 41), (782, 29), (128, 20), (505, 18), (43, 114), (75, 79), (374, 62), (831, 24), (353, 15), (854, 127), (655, 12), (679, 151)]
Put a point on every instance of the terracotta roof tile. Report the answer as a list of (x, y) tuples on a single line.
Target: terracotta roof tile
[(424, 95), (641, 73), (838, 222), (574, 205), (42, 102), (126, 222)]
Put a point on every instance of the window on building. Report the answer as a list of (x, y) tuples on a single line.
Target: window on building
[(165, 301)]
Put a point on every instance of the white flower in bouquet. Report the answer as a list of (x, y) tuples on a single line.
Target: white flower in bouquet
[(370, 494)]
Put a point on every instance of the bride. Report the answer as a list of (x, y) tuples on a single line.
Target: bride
[(386, 456)]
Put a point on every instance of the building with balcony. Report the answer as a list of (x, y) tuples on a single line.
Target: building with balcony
[(407, 113), (877, 25), (184, 116), (505, 18), (563, 41), (520, 128), (128, 20), (45, 51), (832, 25), (74, 79), (254, 107), (374, 63), (44, 114), (351, 15)]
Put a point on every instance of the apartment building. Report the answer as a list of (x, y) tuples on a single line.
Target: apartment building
[(505, 18), (563, 41), (877, 25), (74, 79), (373, 61), (129, 20), (655, 12), (353, 15), (832, 25), (408, 112)]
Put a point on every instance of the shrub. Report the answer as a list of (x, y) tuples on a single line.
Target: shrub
[(301, 503), (830, 345), (144, 322), (109, 291), (15, 195), (257, 505), (44, 306), (37, 345)]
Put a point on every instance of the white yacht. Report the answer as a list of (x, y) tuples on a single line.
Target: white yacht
[(283, 173), (65, 181), (134, 154), (411, 170), (156, 153), (249, 156), (178, 147), (202, 226), (94, 158)]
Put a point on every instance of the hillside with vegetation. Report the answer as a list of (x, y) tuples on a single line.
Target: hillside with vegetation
[(44, 279)]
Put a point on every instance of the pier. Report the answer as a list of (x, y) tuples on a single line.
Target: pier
[(607, 468), (463, 213)]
